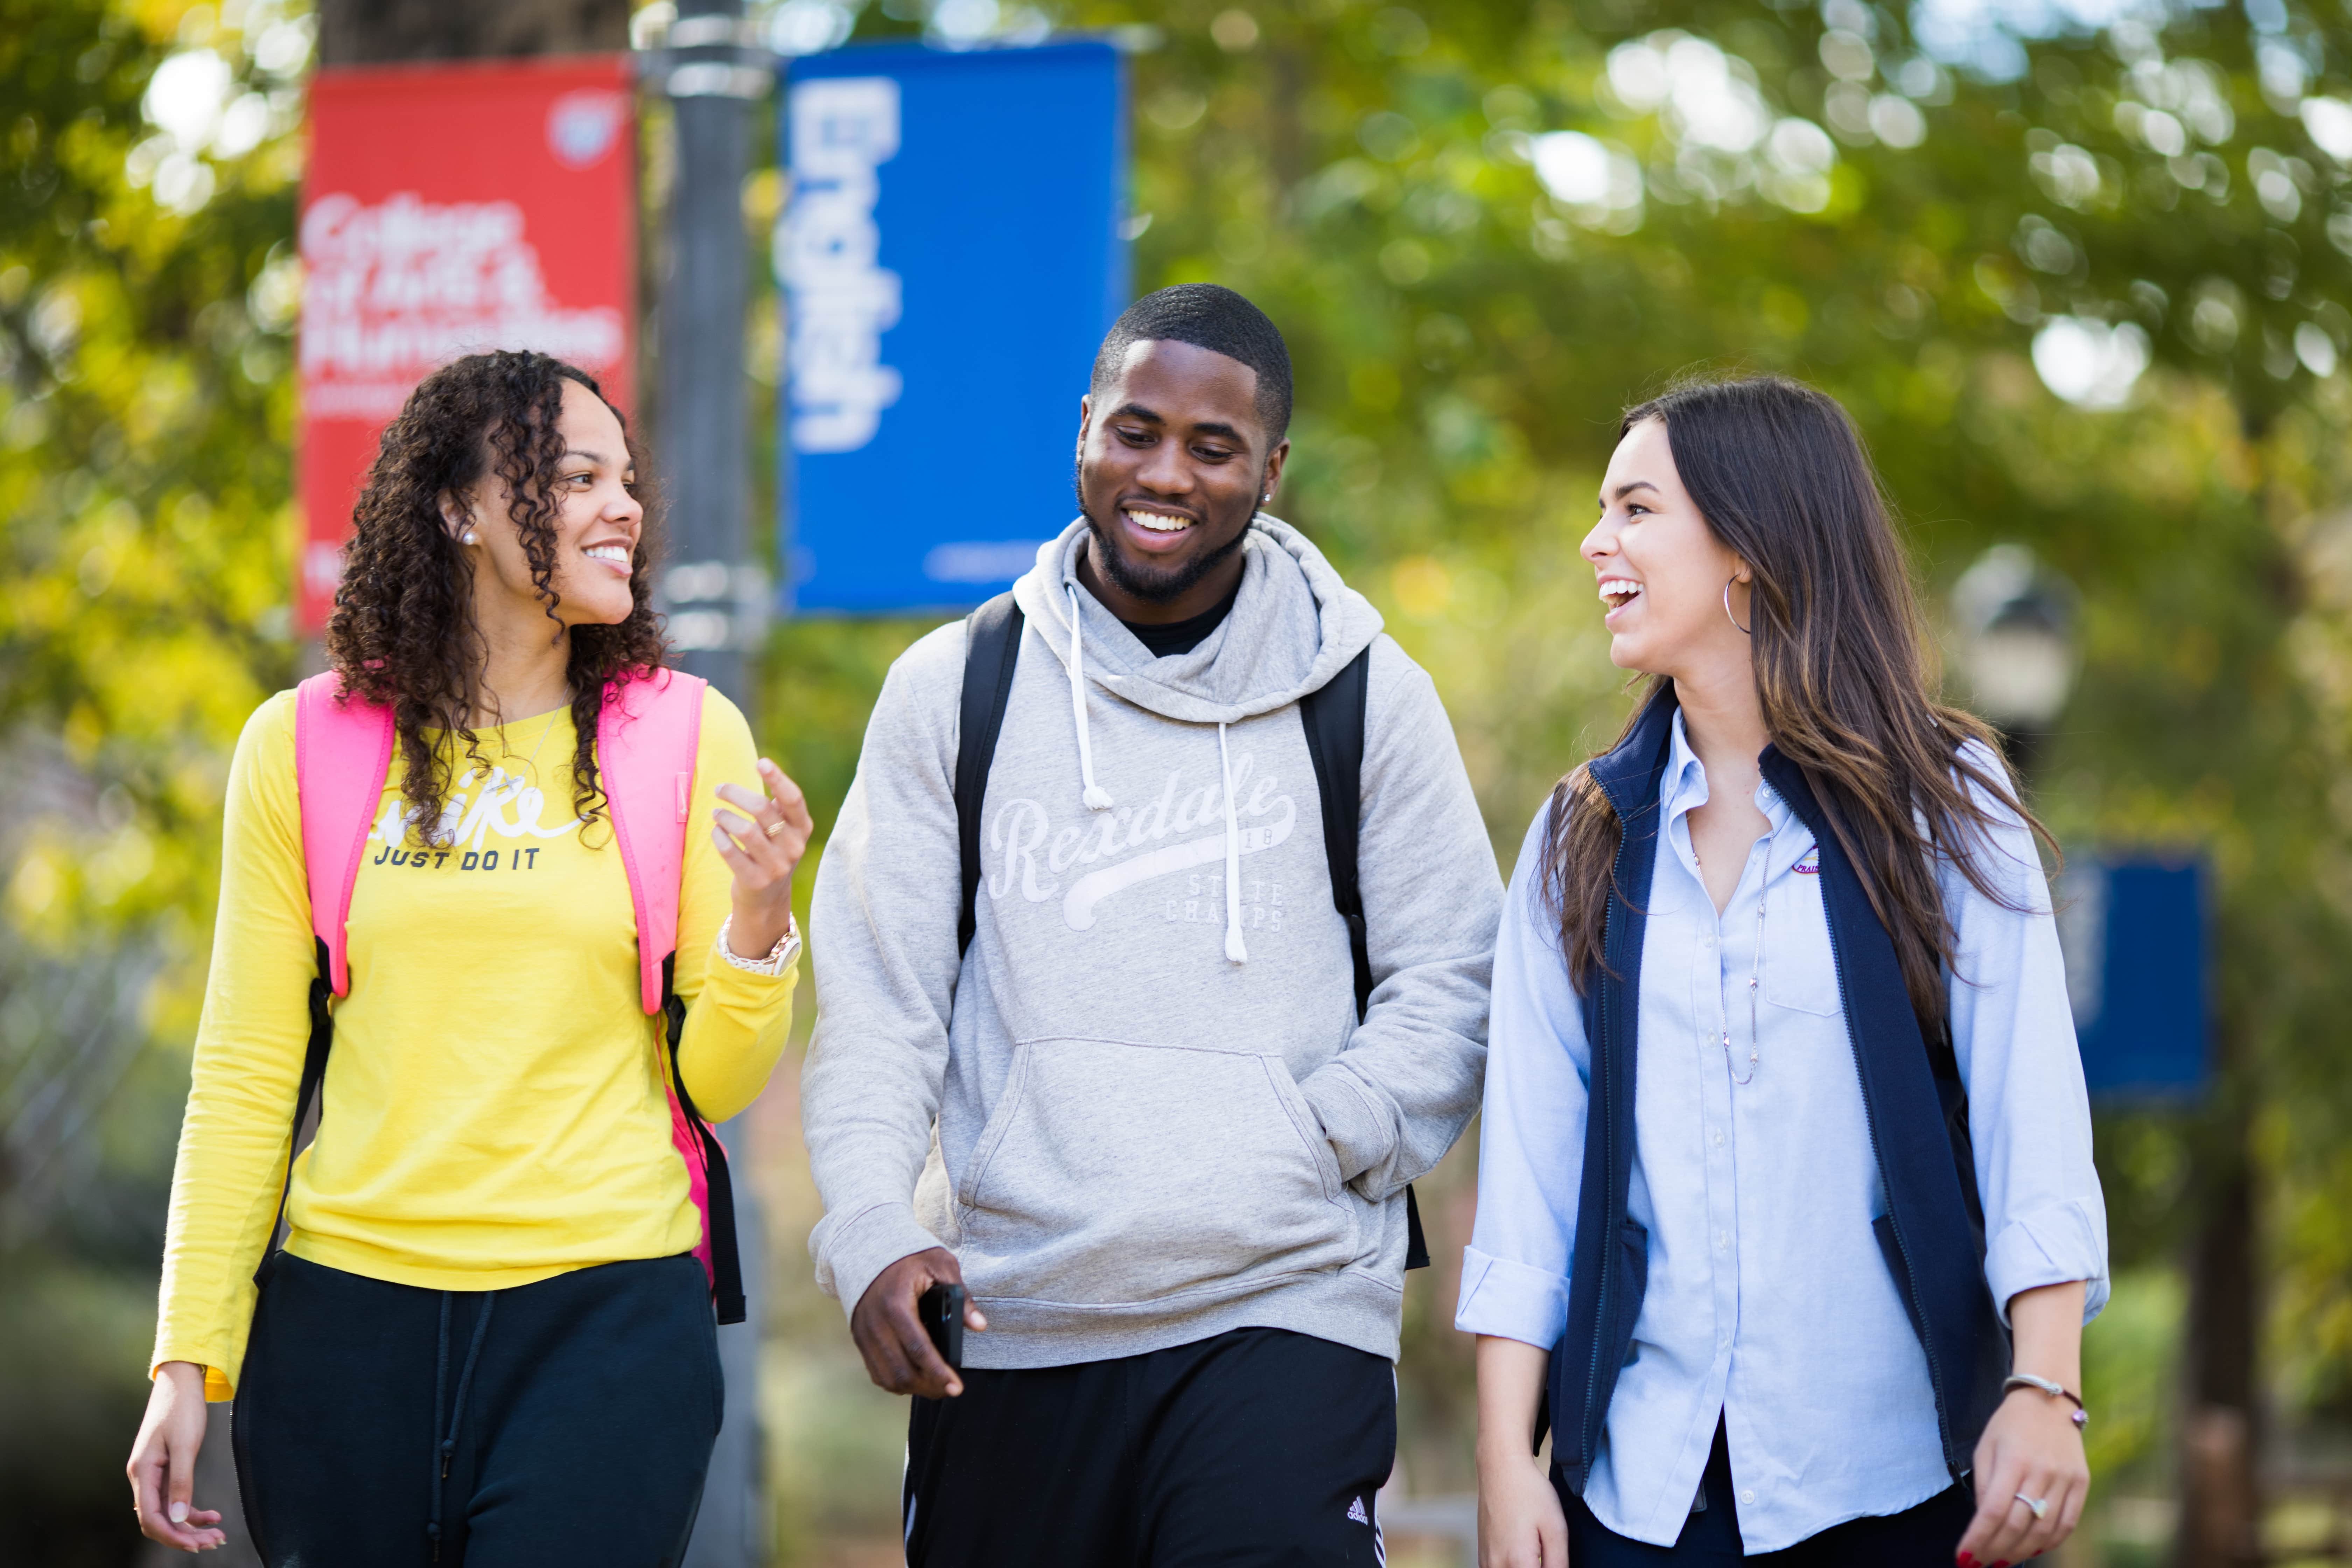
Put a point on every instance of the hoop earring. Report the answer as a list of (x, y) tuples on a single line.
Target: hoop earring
[(1727, 615)]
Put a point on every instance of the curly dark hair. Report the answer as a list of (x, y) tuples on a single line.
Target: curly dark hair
[(402, 631)]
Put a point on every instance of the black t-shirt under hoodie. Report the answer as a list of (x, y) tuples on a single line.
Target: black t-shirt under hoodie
[(1168, 639)]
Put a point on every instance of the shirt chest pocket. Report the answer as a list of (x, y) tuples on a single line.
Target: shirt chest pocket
[(1800, 970)]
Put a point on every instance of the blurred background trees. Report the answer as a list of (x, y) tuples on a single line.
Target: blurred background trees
[(2081, 275)]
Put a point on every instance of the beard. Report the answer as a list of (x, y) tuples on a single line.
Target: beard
[(1145, 582), (1155, 586)]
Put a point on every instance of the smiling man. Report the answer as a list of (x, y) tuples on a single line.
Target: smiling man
[(1139, 1117)]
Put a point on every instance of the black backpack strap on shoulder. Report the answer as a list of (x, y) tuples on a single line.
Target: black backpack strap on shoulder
[(1334, 719), (726, 1254), (314, 1077), (991, 652)]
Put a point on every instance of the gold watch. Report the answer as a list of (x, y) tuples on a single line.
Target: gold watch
[(779, 958)]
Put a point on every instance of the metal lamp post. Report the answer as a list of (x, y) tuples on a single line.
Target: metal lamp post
[(711, 70), (2018, 652), (2017, 622)]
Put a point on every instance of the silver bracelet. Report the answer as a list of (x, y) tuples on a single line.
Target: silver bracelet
[(777, 958), (2055, 1390)]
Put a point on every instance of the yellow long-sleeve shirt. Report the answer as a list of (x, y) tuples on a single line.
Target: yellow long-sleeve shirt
[(495, 1110)]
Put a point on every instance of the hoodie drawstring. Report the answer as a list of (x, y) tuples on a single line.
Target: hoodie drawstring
[(1096, 797), (1235, 949)]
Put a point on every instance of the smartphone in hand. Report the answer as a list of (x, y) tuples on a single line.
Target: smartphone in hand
[(941, 1310)]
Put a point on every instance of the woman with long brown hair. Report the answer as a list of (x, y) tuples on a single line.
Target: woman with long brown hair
[(535, 892), (1787, 1221)]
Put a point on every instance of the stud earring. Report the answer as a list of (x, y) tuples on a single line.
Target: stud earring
[(469, 536)]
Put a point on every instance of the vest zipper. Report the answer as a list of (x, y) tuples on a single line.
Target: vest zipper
[(1589, 1439), (1894, 1215)]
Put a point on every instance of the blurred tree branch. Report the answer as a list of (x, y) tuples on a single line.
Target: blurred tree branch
[(362, 32)]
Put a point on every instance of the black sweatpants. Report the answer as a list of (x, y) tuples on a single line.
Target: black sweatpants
[(1255, 1447), (1921, 1537), (565, 1422)]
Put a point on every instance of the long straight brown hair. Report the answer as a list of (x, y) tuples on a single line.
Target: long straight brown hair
[(1779, 475)]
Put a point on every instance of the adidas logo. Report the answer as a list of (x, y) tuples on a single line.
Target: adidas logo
[(1356, 1512)]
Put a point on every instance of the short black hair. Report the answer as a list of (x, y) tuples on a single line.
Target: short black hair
[(1207, 316)]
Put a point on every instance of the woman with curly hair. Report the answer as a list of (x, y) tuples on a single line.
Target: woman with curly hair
[(489, 1337)]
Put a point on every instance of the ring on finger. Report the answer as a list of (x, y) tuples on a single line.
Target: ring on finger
[(774, 828), (2040, 1506)]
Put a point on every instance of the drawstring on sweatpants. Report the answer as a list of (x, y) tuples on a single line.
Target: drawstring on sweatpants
[(448, 1445), (1096, 797)]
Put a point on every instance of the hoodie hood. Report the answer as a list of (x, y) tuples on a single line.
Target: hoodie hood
[(1293, 628)]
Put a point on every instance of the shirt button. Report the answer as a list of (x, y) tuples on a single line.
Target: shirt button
[(1718, 1137), (1722, 1239), (1707, 942), (1723, 1342), (1747, 1494)]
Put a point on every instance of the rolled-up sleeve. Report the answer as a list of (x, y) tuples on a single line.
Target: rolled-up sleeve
[(1531, 1131), (2013, 1031)]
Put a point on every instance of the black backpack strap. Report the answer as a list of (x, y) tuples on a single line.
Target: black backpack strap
[(991, 652), (725, 1254), (1334, 719), (314, 1076)]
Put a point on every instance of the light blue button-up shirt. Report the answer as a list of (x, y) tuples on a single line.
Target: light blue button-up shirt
[(1769, 1304)]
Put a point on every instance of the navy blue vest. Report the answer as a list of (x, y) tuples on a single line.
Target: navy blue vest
[(1933, 1233)]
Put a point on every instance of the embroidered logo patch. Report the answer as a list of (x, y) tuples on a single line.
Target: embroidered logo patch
[(1809, 864), (1356, 1512)]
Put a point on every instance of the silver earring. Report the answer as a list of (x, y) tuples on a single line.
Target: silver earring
[(469, 536), (1726, 609)]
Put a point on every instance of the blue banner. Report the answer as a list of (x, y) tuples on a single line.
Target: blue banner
[(2136, 963), (951, 255)]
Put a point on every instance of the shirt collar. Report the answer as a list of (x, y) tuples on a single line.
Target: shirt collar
[(1684, 786)]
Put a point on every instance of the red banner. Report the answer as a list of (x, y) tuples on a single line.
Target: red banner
[(450, 209)]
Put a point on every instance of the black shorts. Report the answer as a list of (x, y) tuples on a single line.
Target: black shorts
[(1258, 1447), (555, 1424)]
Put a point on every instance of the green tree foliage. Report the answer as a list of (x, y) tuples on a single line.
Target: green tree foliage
[(146, 419), (1486, 227), (145, 187)]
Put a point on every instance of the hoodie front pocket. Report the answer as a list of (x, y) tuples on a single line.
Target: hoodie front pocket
[(1114, 1172)]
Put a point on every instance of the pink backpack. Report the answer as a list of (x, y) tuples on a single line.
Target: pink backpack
[(647, 737)]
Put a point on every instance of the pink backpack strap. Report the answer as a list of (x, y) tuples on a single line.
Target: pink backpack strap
[(341, 752), (646, 736)]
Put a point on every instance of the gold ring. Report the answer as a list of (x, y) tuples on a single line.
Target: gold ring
[(774, 828)]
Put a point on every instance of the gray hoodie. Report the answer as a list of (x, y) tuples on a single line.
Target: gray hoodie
[(1140, 1108)]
